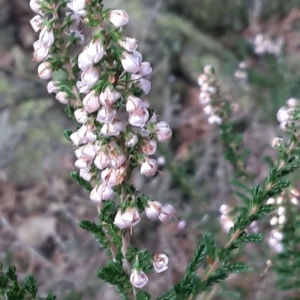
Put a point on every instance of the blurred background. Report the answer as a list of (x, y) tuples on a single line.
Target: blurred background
[(253, 45)]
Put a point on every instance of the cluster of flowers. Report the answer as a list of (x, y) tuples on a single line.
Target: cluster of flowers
[(118, 131), (285, 114), (279, 218), (265, 45), (209, 94)]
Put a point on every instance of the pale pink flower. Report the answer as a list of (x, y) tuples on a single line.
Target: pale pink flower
[(130, 62), (139, 118), (77, 6), (163, 131), (110, 176), (131, 140), (52, 87), (129, 218), (101, 160), (84, 61), (133, 103), (106, 114), (81, 116), (35, 5), (160, 262), (149, 147), (46, 37), (83, 135), (101, 192), (40, 51), (153, 210), (90, 76), (95, 50), (129, 44), (82, 163), (86, 174), (82, 87), (144, 85), (167, 212), (112, 129), (89, 151), (118, 17), (145, 68), (44, 70), (62, 97), (149, 167), (109, 96), (36, 23), (117, 157), (91, 102), (138, 278)]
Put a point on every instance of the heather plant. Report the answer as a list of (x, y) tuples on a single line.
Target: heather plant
[(103, 84)]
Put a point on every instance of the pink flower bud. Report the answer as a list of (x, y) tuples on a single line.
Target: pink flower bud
[(101, 192), (46, 37), (90, 76), (118, 18), (160, 262), (109, 96), (40, 51), (138, 278), (149, 167), (129, 218), (91, 102), (130, 62), (149, 147), (153, 210), (52, 87), (106, 115), (95, 51), (129, 44), (145, 68), (81, 116), (44, 70), (36, 23), (167, 212), (163, 131), (62, 97)]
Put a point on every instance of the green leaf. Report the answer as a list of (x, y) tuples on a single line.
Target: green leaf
[(70, 111), (67, 134), (31, 286), (250, 238), (142, 295)]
